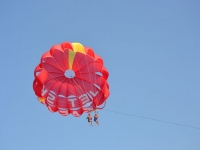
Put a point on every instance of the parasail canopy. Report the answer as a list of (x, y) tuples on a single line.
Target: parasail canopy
[(71, 79)]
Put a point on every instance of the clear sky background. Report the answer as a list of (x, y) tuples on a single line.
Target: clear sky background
[(152, 52)]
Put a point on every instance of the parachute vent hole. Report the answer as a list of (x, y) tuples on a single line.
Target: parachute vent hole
[(37, 73), (69, 74), (99, 73)]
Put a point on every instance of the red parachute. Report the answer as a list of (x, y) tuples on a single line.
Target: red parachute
[(71, 79)]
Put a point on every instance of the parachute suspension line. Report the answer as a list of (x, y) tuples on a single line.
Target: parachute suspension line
[(73, 78), (95, 111), (81, 78), (99, 96), (76, 89), (95, 80), (89, 74), (153, 119), (81, 88), (95, 75)]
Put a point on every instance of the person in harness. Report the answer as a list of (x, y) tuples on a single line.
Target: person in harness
[(89, 118), (96, 119)]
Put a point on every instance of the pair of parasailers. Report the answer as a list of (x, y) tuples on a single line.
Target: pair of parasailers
[(89, 117)]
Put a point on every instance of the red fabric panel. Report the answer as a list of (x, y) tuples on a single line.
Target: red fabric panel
[(66, 45), (89, 52), (43, 76)]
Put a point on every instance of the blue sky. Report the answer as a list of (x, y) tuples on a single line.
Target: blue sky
[(152, 52)]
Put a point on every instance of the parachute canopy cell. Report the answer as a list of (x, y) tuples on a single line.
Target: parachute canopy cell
[(71, 79)]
